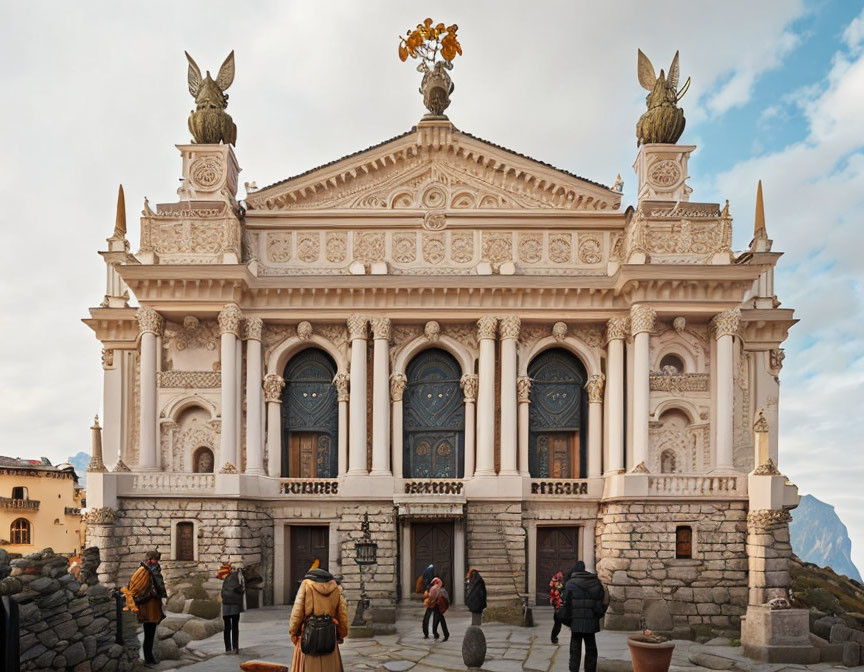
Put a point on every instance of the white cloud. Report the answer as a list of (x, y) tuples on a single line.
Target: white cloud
[(853, 36)]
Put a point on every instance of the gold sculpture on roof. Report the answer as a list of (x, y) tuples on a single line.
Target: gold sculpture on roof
[(427, 42), (664, 121), (209, 123)]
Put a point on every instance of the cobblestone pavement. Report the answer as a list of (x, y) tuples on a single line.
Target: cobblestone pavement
[(264, 636)]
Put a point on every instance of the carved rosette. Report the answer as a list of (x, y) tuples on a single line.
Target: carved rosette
[(398, 381), (230, 318), (617, 329), (487, 326), (559, 331), (764, 519), (149, 321), (304, 331), (357, 326), (726, 323), (642, 319), (381, 328), (104, 515), (341, 380), (254, 328), (469, 383), (273, 386), (432, 331), (510, 325), (523, 390), (595, 388)]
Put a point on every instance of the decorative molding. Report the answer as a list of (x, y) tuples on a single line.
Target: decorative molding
[(149, 321), (678, 383), (595, 388), (357, 326), (617, 329), (273, 385), (229, 319), (189, 379), (642, 319), (523, 390), (104, 515), (192, 334), (398, 381), (764, 518), (469, 383), (434, 221), (487, 327)]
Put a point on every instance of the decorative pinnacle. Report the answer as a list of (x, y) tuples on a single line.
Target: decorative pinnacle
[(120, 220), (759, 230), (427, 42)]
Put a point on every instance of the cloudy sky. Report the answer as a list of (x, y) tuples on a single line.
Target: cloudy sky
[(94, 93)]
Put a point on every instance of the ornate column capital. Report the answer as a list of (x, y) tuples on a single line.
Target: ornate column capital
[(254, 327), (469, 383), (398, 381), (487, 326), (304, 330), (229, 319), (617, 329), (595, 388), (341, 380), (523, 390), (357, 326), (149, 321), (273, 386), (726, 323), (642, 319), (381, 328), (510, 325)]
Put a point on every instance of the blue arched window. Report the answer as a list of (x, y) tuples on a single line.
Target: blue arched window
[(433, 417), (557, 416), (310, 417)]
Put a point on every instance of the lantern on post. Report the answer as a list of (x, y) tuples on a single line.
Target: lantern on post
[(365, 554)]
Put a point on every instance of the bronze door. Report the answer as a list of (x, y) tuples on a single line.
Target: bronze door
[(557, 550), (307, 544), (432, 543)]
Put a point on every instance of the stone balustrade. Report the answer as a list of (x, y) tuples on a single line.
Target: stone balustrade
[(173, 482), (689, 485), (19, 504)]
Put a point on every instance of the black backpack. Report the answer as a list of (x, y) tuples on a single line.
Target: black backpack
[(319, 636)]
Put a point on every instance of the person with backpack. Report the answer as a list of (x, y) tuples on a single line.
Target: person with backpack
[(233, 594), (319, 622), (147, 588), (475, 595), (556, 587), (422, 586), (584, 603), (437, 602)]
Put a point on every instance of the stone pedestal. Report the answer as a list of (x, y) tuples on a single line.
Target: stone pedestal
[(209, 173), (778, 636), (661, 172)]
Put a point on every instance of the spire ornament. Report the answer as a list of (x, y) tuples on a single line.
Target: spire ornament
[(209, 123), (120, 219), (664, 121), (759, 230), (427, 42)]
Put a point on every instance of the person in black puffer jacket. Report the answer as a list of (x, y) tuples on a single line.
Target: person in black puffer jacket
[(584, 602)]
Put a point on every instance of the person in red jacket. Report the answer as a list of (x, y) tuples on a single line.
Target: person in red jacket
[(437, 601)]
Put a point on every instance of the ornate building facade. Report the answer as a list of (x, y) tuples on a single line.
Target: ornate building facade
[(491, 360)]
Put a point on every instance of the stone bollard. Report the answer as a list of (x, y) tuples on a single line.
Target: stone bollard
[(474, 648)]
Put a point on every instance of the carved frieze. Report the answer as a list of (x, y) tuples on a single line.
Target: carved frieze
[(193, 334), (191, 235), (101, 516), (763, 519), (559, 487), (560, 247), (678, 383), (189, 379), (309, 487), (430, 487)]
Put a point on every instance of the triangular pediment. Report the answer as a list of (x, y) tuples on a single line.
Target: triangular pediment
[(435, 167)]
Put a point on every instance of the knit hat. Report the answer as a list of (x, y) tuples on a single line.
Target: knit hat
[(224, 570)]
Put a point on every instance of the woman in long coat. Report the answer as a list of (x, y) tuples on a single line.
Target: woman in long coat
[(233, 589), (320, 595)]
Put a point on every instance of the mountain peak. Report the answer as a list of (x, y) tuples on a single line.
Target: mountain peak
[(819, 536)]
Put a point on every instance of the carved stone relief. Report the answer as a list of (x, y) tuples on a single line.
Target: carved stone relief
[(405, 248), (337, 247), (279, 247), (462, 247), (433, 248), (369, 246), (308, 247), (530, 247), (497, 247)]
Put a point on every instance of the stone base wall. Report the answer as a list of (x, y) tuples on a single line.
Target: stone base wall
[(68, 622), (495, 546), (769, 552), (225, 529), (636, 561)]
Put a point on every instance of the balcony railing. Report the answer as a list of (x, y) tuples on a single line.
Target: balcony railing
[(19, 504), (681, 485), (174, 482)]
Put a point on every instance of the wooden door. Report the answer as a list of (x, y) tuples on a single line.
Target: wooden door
[(307, 544), (557, 550), (563, 456), (432, 543), (185, 541), (304, 455)]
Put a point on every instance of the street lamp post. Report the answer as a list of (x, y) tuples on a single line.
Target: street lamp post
[(365, 554)]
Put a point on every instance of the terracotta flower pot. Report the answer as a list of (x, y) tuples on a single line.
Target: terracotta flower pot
[(649, 656)]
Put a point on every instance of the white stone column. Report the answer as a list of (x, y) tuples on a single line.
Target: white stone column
[(254, 397), (509, 331), (357, 403), (485, 464), (150, 325), (469, 390), (616, 332), (398, 381), (588, 548), (381, 397), (523, 387), (273, 386), (229, 327), (595, 425), (725, 327), (341, 382), (641, 325)]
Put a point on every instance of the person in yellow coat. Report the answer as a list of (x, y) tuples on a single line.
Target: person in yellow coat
[(147, 588), (319, 596)]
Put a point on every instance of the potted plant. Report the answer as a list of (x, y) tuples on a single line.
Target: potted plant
[(650, 652)]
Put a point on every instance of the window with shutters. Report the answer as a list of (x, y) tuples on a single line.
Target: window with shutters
[(185, 541), (683, 542)]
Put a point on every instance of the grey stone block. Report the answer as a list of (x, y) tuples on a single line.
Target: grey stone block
[(474, 647), (851, 654), (839, 633), (75, 654)]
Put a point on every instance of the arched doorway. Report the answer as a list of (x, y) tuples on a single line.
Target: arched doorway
[(557, 416), (433, 417), (310, 416)]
